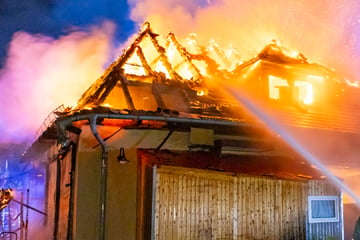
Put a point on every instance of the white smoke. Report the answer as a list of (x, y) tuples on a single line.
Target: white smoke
[(42, 73)]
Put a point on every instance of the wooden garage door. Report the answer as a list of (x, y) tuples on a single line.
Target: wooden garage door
[(199, 204)]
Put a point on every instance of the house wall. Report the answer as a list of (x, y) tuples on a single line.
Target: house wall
[(122, 180), (51, 184), (199, 204), (65, 175), (57, 195)]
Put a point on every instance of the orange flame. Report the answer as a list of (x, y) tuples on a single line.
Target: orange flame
[(5, 197)]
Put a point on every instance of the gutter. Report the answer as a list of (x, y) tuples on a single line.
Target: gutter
[(65, 122)]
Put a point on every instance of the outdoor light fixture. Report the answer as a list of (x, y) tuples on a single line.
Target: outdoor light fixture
[(121, 157)]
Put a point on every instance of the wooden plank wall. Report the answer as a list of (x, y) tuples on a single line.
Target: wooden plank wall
[(198, 204), (270, 208), (190, 206)]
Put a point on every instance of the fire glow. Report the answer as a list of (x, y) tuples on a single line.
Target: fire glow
[(206, 64), (6, 195)]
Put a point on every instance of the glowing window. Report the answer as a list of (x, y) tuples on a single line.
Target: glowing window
[(275, 83), (323, 209), (304, 92)]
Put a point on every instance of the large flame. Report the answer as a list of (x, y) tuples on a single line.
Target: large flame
[(317, 29), (297, 81)]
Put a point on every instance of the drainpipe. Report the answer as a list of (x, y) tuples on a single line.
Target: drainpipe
[(103, 177)]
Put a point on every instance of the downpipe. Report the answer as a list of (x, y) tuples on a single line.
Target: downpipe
[(103, 176)]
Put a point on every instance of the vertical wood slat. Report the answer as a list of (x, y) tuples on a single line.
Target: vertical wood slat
[(278, 208), (235, 210), (199, 204)]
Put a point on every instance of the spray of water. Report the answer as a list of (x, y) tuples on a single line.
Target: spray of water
[(280, 131)]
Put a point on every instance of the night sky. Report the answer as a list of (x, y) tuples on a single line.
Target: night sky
[(58, 17)]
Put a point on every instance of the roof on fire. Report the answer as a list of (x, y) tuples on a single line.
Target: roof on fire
[(169, 78), (155, 79)]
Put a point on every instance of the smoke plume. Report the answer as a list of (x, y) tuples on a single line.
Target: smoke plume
[(42, 73)]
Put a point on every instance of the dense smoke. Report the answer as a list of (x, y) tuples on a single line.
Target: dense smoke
[(42, 73), (50, 52)]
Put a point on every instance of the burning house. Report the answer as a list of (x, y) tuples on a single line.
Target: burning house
[(156, 149)]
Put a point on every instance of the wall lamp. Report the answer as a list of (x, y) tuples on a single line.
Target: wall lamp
[(121, 157)]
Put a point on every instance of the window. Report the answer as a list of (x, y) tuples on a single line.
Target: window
[(323, 209), (300, 91), (276, 85), (304, 92)]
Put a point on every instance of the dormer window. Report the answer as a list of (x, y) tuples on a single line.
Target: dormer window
[(291, 91)]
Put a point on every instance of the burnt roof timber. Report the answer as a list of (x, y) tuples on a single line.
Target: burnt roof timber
[(96, 89), (185, 55), (146, 66)]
